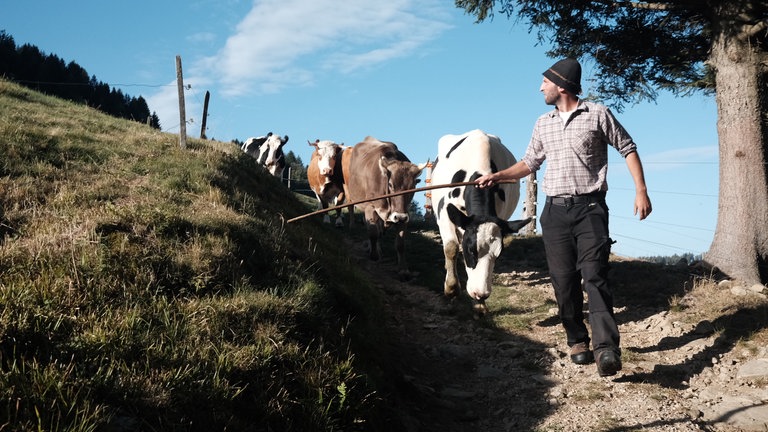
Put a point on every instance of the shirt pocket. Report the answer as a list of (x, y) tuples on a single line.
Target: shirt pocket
[(584, 143)]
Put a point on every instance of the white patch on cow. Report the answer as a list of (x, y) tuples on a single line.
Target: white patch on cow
[(327, 151), (270, 153), (489, 246)]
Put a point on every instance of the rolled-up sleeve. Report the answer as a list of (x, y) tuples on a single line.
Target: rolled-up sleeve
[(535, 154), (616, 135)]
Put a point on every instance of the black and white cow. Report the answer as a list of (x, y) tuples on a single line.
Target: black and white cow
[(268, 151), (471, 217)]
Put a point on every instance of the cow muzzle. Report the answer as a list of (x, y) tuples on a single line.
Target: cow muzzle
[(396, 218)]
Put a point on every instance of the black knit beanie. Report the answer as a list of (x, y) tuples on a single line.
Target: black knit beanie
[(566, 73)]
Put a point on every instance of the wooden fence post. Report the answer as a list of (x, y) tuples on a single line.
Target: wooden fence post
[(205, 114), (182, 111), (529, 205)]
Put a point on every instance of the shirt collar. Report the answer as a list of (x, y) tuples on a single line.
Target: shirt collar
[(582, 106)]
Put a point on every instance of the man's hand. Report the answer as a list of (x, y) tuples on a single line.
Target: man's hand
[(485, 181), (642, 205)]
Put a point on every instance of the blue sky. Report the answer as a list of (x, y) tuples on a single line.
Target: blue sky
[(406, 71)]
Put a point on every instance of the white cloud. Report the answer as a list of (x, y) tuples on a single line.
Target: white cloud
[(287, 43), (273, 44)]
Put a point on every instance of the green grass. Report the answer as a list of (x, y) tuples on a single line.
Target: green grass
[(148, 287)]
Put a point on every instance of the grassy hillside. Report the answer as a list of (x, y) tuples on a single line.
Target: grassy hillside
[(146, 287)]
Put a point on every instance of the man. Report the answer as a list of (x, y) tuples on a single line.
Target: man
[(574, 139)]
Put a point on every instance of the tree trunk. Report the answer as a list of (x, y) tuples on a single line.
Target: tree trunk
[(740, 245)]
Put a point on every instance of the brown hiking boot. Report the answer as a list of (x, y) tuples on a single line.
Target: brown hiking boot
[(581, 354)]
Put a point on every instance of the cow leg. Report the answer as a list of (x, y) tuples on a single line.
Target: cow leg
[(323, 206), (403, 272), (326, 216), (339, 220), (374, 232), (452, 286), (338, 201)]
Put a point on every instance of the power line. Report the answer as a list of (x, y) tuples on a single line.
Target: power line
[(647, 241), (648, 222), (668, 192)]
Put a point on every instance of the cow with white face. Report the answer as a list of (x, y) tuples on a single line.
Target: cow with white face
[(374, 168), (471, 220), (325, 176), (268, 151)]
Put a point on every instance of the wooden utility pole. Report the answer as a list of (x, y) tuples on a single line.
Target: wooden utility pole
[(182, 112), (529, 205), (205, 114)]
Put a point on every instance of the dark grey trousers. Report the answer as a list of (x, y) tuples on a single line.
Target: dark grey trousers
[(578, 247)]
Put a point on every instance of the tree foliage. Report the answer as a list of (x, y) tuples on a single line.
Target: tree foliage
[(638, 47), (48, 73), (298, 170)]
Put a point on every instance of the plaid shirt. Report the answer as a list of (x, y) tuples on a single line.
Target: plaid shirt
[(577, 151)]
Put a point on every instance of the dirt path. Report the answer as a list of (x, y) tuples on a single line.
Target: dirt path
[(467, 374)]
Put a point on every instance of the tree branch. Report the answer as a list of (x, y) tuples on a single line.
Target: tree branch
[(752, 30), (650, 6)]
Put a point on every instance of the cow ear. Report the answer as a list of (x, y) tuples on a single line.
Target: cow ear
[(515, 226), (458, 217), (285, 140), (383, 166)]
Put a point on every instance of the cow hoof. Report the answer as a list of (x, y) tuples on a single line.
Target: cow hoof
[(480, 310), (404, 275)]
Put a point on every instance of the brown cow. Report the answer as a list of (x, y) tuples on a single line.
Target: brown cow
[(325, 178), (375, 168)]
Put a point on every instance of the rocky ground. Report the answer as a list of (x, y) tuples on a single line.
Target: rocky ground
[(694, 353)]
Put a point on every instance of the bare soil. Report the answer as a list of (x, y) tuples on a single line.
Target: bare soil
[(684, 339)]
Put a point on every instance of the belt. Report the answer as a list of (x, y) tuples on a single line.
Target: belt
[(576, 199)]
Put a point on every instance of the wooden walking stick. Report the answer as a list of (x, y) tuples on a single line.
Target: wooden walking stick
[(393, 194)]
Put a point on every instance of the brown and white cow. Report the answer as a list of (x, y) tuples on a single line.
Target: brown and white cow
[(325, 176), (469, 216), (374, 168), (268, 151)]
